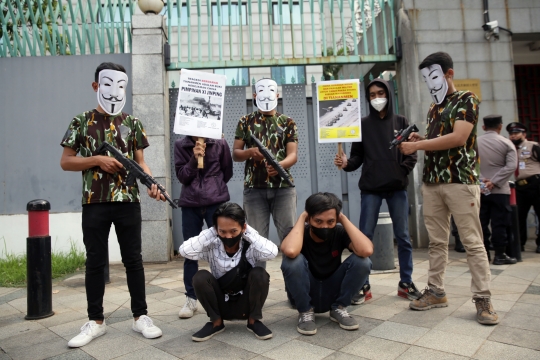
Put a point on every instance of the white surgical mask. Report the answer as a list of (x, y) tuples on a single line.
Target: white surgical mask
[(111, 92), (436, 82), (267, 91), (379, 103)]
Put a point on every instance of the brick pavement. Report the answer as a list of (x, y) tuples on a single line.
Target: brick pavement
[(388, 329)]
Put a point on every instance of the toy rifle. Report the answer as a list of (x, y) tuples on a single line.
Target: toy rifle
[(271, 160), (403, 135), (135, 171)]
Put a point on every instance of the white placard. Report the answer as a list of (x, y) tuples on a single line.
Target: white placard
[(199, 110), (339, 113)]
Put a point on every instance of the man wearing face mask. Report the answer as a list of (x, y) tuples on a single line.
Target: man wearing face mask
[(265, 192), (451, 186), (316, 281), (233, 289), (384, 176), (527, 178), (107, 199)]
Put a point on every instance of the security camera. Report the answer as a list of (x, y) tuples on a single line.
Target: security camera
[(491, 29)]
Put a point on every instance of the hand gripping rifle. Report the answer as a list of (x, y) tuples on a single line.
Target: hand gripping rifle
[(403, 135), (271, 160), (135, 171)]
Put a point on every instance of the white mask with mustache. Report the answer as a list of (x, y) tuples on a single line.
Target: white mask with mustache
[(267, 94), (111, 92), (436, 82)]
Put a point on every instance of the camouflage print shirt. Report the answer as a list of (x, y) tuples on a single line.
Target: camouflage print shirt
[(85, 134), (274, 132), (459, 164)]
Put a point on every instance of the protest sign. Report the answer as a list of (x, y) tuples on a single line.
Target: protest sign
[(199, 110), (338, 104)]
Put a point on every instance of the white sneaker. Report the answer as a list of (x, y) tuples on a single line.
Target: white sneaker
[(146, 326), (190, 307), (89, 331)]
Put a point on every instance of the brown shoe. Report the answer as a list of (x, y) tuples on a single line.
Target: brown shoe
[(428, 300), (485, 314)]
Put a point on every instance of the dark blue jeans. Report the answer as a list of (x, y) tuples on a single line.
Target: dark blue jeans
[(398, 206), (192, 224), (306, 292)]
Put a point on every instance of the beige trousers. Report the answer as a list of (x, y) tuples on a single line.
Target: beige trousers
[(463, 202)]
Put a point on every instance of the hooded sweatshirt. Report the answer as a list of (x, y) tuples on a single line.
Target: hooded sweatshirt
[(384, 170)]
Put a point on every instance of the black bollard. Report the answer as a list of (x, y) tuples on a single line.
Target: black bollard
[(38, 261), (516, 240)]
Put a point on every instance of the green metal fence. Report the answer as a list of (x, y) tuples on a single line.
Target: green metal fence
[(259, 33), (51, 27)]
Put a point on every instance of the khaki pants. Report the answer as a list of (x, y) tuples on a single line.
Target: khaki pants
[(463, 202)]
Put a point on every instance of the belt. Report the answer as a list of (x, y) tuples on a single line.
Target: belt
[(528, 180)]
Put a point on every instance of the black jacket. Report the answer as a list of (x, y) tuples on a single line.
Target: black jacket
[(384, 170)]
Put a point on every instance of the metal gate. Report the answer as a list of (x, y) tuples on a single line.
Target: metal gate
[(314, 171), (528, 97)]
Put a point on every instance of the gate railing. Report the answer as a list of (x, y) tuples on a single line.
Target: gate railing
[(257, 33), (72, 27)]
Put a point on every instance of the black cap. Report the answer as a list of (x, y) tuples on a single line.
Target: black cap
[(492, 121), (516, 127), (38, 205)]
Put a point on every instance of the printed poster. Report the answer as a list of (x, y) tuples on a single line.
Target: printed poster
[(199, 110), (338, 104)]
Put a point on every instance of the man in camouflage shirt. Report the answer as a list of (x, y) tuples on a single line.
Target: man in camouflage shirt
[(107, 199), (451, 186), (265, 192)]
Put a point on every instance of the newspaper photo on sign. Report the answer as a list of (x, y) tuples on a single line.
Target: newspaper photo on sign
[(338, 105), (199, 110)]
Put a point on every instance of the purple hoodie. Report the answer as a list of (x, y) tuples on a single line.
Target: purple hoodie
[(207, 186)]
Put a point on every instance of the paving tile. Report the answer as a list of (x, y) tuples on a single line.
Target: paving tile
[(7, 290), (377, 312), (6, 310), (183, 346), (194, 323), (342, 356), (62, 318), (533, 289), (44, 350), (420, 353), (298, 350), (403, 333), (68, 329), (169, 332), (30, 338), (496, 351), (465, 327), (13, 295), (112, 347), (521, 321), (375, 348), (529, 299), (19, 328), (528, 309), (146, 353), (165, 294), (11, 319), (333, 337), (152, 289), (514, 336), (221, 351), (72, 354), (450, 342), (426, 319), (118, 315)]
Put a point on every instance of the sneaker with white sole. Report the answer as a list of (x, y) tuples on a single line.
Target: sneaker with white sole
[(89, 332), (342, 317), (306, 323), (146, 326), (190, 307), (363, 296)]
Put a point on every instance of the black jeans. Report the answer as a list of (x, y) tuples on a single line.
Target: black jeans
[(240, 307), (527, 196), (495, 209), (96, 224)]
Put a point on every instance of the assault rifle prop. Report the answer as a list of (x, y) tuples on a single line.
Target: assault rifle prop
[(271, 160), (403, 135), (135, 171)]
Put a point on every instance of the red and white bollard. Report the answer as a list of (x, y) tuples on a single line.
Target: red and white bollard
[(38, 261)]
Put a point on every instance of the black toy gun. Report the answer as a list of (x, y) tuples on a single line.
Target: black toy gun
[(403, 134), (135, 171), (271, 160)]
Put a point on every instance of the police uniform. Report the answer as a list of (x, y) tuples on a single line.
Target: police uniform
[(527, 181)]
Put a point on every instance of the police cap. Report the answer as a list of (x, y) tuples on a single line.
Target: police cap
[(516, 127)]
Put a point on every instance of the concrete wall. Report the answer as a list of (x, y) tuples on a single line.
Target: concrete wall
[(456, 27)]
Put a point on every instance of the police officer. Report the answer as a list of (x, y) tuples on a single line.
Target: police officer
[(527, 177)]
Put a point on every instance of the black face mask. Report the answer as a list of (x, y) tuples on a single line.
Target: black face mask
[(230, 242), (325, 234), (517, 142)]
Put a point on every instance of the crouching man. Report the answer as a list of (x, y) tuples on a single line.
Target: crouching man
[(234, 289), (316, 280)]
